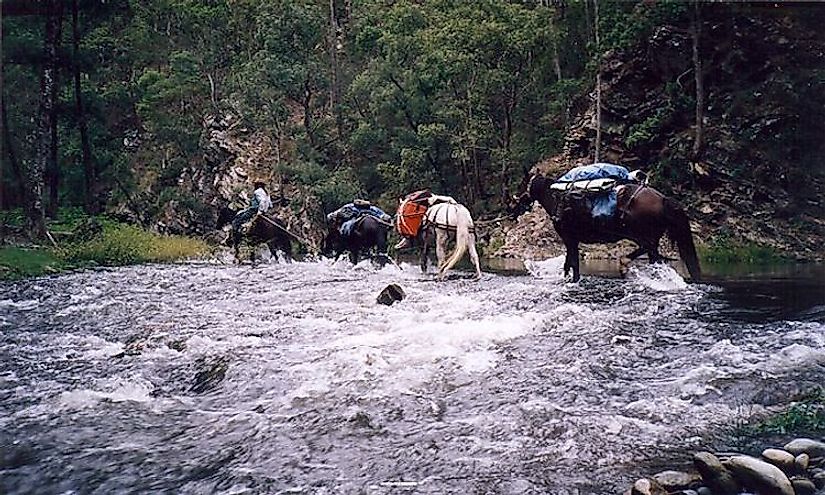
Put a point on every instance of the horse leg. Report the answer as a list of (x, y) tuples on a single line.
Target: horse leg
[(273, 249), (353, 256), (572, 259), (636, 253), (441, 237), (285, 245), (576, 274), (425, 249), (474, 255)]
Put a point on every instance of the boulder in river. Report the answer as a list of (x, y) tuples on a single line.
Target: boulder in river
[(209, 375), (813, 448), (647, 486), (390, 294), (803, 486), (780, 458), (715, 475), (676, 480), (766, 478), (802, 462)]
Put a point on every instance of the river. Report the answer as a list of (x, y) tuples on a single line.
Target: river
[(214, 378)]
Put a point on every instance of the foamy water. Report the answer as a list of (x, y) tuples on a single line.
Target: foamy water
[(209, 378)]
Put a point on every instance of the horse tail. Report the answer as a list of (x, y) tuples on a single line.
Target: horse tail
[(678, 229), (462, 238)]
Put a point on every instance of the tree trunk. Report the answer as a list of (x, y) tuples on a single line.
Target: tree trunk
[(698, 140), (52, 165), (8, 202), (598, 83), (335, 90), (90, 173), (34, 210)]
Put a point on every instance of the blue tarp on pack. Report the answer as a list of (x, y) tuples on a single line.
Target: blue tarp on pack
[(356, 213), (602, 206), (596, 171), (346, 227)]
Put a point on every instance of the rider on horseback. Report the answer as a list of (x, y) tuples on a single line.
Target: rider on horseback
[(261, 203)]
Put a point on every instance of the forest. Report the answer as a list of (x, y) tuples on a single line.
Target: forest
[(113, 105)]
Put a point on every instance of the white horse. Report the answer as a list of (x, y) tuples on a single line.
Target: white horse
[(447, 220)]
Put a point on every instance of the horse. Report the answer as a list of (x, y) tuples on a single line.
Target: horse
[(367, 234), (264, 229), (442, 221), (643, 216)]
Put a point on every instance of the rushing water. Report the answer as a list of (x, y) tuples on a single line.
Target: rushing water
[(201, 378)]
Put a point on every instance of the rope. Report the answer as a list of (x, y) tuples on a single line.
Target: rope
[(295, 236), (490, 222)]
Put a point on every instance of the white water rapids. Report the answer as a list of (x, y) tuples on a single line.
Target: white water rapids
[(200, 378)]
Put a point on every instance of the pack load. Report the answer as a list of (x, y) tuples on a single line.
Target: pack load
[(411, 212), (348, 215), (598, 177), (598, 181)]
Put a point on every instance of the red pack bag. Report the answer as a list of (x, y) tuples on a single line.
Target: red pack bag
[(411, 211)]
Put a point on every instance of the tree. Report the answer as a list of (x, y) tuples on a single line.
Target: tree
[(596, 154), (90, 172), (46, 123), (698, 140)]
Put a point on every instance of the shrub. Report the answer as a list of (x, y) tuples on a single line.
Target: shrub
[(121, 244)]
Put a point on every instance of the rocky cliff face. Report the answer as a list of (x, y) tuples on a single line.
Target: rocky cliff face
[(759, 179), (232, 156)]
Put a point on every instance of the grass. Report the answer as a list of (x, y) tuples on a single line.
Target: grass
[(122, 244), (723, 250), (115, 244), (17, 262)]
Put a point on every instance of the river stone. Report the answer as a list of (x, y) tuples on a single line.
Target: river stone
[(719, 480), (779, 458), (676, 480), (803, 486), (807, 446), (390, 294), (766, 478), (647, 486), (801, 462)]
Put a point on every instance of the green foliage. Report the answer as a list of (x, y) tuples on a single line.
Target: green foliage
[(805, 415), (122, 244), (726, 250), (16, 262)]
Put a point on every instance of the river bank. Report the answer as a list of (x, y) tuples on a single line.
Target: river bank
[(81, 241)]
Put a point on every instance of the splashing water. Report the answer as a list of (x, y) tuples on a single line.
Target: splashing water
[(205, 378)]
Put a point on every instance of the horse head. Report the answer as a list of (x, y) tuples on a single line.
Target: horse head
[(225, 215), (533, 189)]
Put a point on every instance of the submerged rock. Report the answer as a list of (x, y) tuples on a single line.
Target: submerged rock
[(766, 478), (209, 375), (390, 294), (715, 475)]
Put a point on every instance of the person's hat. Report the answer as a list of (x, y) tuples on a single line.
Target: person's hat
[(361, 202)]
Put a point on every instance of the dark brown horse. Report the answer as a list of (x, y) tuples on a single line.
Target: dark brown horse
[(264, 229), (643, 216)]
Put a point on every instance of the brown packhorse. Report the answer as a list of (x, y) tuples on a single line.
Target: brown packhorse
[(268, 230), (643, 216)]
